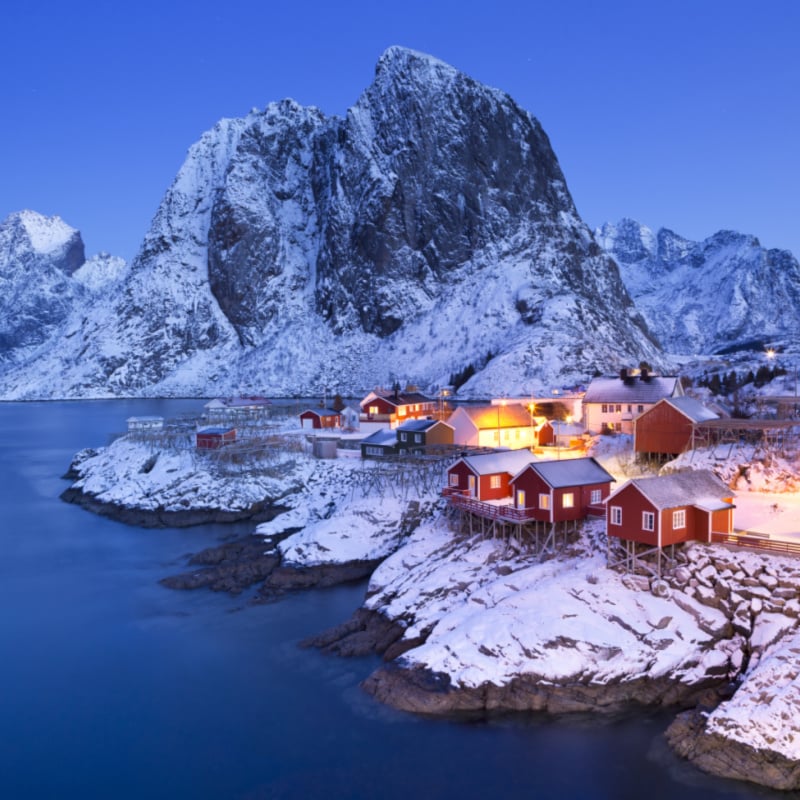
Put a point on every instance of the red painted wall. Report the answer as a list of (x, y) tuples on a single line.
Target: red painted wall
[(662, 429)]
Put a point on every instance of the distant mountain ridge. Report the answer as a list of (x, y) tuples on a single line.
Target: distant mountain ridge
[(427, 231), (720, 294)]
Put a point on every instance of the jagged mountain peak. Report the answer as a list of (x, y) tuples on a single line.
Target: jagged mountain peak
[(429, 230), (704, 297), (48, 238)]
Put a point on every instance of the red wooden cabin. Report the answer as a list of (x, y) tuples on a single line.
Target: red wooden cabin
[(488, 476), (666, 510), (666, 428), (392, 406), (557, 491), (214, 438), (318, 418)]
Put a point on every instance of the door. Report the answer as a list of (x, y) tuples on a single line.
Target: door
[(520, 498), (471, 484)]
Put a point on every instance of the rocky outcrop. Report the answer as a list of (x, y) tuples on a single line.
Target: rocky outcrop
[(423, 691)]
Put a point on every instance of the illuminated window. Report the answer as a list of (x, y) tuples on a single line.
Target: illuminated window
[(679, 519), (454, 479), (648, 521), (568, 500), (544, 501), (616, 515), (495, 482), (374, 410)]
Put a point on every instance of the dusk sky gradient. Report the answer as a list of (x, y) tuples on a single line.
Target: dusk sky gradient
[(679, 114)]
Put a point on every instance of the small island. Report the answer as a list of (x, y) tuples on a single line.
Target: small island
[(474, 620)]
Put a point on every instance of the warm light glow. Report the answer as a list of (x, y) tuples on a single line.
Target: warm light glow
[(770, 353)]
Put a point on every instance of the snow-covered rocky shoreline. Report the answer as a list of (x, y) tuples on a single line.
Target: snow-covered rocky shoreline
[(474, 626)]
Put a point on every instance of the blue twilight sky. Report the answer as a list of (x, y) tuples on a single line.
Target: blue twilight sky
[(678, 113)]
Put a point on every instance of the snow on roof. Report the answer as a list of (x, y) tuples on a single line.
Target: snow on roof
[(691, 408), (420, 425), (215, 431), (383, 436), (322, 412), (566, 428), (634, 390), (497, 416), (699, 487), (510, 461), (398, 398), (570, 472)]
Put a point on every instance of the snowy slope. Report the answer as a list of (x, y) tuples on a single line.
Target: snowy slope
[(429, 229)]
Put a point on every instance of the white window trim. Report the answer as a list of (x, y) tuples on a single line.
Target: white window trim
[(454, 481), (495, 482), (648, 516), (544, 502), (679, 519), (596, 496), (615, 515)]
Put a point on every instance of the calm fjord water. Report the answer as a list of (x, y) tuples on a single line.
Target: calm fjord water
[(114, 687)]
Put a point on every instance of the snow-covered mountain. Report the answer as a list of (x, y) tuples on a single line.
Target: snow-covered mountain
[(44, 277), (428, 230), (721, 294)]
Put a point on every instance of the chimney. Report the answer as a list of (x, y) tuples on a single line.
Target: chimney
[(645, 375)]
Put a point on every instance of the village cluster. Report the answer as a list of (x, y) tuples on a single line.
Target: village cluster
[(519, 466)]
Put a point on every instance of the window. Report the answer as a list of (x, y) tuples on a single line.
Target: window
[(454, 479), (374, 451), (568, 500), (596, 497), (403, 437), (679, 519), (618, 408), (648, 521), (417, 437), (494, 482), (630, 408), (618, 427), (640, 408), (616, 515), (374, 410), (604, 408), (544, 501)]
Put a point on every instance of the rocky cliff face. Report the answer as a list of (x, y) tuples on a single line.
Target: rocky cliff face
[(723, 293), (428, 230), (44, 278), (39, 255)]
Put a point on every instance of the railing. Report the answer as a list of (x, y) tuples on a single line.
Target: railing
[(758, 542), (507, 513)]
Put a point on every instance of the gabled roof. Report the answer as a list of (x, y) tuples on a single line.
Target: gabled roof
[(216, 430), (497, 416), (692, 409), (632, 390), (700, 488), (419, 425), (323, 412), (399, 398), (569, 472), (383, 436), (510, 461)]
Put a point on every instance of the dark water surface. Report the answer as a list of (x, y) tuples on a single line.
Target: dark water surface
[(114, 687)]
